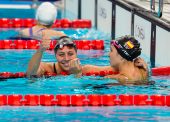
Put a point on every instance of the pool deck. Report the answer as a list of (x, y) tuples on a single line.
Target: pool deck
[(146, 5)]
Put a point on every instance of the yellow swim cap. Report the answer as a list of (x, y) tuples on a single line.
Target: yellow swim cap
[(46, 13), (128, 47)]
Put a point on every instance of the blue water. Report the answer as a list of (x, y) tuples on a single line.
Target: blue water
[(17, 61), (85, 114)]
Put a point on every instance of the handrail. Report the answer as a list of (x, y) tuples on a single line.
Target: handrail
[(160, 8)]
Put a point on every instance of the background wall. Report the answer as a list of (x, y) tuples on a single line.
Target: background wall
[(123, 22), (104, 16), (71, 9), (142, 32), (118, 18), (88, 10)]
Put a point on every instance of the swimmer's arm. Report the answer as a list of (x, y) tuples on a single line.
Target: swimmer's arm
[(57, 35), (22, 34), (123, 80), (140, 63), (34, 64), (119, 77), (93, 68), (143, 67)]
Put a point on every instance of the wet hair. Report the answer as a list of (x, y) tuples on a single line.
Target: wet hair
[(128, 47), (46, 14), (64, 41)]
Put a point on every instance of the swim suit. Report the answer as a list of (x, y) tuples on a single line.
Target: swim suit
[(55, 71), (30, 36), (31, 31)]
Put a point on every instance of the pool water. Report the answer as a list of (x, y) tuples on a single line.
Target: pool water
[(84, 114), (17, 61)]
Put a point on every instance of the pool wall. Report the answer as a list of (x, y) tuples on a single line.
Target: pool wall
[(118, 18)]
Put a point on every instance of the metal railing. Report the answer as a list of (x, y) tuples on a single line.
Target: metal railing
[(160, 7)]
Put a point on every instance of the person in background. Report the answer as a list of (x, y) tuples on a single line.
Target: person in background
[(123, 51), (66, 55), (45, 15)]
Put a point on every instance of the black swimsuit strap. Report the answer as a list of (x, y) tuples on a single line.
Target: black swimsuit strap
[(55, 71), (31, 34)]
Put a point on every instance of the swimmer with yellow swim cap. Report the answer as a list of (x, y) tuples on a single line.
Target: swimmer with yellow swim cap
[(45, 15), (123, 52)]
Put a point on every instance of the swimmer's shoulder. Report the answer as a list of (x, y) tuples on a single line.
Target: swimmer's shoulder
[(24, 32), (144, 73), (47, 66), (55, 34)]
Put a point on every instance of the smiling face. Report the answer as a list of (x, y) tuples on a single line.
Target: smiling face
[(115, 58), (64, 56)]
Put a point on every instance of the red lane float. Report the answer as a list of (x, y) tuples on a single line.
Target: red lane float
[(15, 100), (31, 100), (81, 23), (46, 100), (60, 23), (161, 71), (78, 100), (34, 44), (94, 100), (84, 100), (5, 23), (141, 100), (3, 100), (63, 100), (109, 99), (8, 75)]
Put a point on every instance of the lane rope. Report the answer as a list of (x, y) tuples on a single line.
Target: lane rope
[(34, 44), (158, 71), (59, 23), (84, 100), (10, 75)]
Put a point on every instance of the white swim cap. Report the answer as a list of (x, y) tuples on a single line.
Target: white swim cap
[(46, 13)]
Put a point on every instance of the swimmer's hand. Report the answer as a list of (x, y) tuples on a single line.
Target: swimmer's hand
[(75, 67), (139, 62), (45, 44)]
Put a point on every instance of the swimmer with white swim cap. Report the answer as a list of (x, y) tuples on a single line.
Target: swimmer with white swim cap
[(45, 15)]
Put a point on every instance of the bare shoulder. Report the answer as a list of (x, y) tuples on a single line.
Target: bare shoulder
[(144, 73), (138, 74), (46, 66), (23, 32), (56, 33)]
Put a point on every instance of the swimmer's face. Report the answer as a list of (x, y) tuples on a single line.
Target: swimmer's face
[(64, 56), (115, 58)]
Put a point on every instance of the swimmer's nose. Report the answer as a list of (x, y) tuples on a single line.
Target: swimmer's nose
[(109, 54), (66, 57)]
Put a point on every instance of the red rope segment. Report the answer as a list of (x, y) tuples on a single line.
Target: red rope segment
[(59, 23), (161, 71), (8, 75), (34, 44), (84, 100)]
